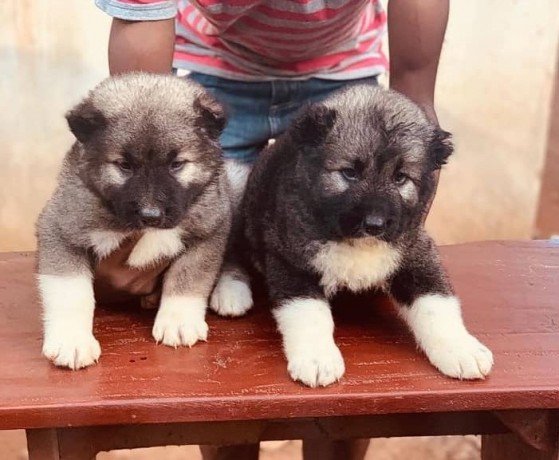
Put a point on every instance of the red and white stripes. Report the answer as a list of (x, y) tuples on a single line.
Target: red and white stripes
[(269, 39)]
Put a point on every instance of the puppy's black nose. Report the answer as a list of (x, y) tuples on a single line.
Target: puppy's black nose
[(150, 216), (375, 224)]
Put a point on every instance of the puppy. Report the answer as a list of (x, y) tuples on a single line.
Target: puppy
[(146, 163), (337, 204)]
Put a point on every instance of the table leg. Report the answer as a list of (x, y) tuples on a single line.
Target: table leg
[(52, 444), (534, 435), (512, 447), (43, 444)]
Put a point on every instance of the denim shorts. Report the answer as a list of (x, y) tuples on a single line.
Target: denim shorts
[(260, 111)]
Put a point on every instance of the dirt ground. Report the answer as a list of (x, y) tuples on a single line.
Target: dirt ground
[(12, 444)]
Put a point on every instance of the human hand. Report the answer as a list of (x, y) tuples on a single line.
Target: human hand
[(115, 281)]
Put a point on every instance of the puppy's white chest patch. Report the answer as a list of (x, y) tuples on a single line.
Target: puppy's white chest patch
[(154, 246), (103, 242), (356, 265)]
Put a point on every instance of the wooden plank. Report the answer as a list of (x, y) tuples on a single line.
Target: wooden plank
[(509, 292), (547, 220), (330, 430)]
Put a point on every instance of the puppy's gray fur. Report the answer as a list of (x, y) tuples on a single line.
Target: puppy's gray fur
[(147, 162)]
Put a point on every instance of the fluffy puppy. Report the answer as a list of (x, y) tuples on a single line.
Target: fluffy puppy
[(146, 163), (337, 204)]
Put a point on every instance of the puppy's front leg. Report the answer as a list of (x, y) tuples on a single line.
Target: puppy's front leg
[(433, 314), (304, 319), (232, 295), (187, 285), (66, 290)]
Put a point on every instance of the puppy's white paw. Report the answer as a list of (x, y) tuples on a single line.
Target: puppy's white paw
[(180, 322), (436, 321), (231, 297), (175, 331), (307, 327), (318, 366), (73, 349), (463, 357), (68, 304)]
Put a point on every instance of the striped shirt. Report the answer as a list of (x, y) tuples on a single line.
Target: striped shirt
[(262, 40)]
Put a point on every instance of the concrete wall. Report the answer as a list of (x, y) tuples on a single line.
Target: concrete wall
[(493, 93)]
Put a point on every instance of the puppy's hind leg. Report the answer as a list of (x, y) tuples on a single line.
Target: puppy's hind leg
[(232, 295), (151, 301), (306, 324)]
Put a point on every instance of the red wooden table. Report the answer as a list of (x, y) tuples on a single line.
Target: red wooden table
[(235, 388)]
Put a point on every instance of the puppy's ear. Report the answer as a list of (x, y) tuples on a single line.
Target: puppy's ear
[(314, 124), (211, 114), (85, 120), (440, 148)]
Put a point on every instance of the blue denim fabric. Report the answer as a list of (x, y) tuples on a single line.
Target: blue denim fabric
[(260, 111)]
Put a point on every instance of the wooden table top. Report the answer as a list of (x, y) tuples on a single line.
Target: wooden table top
[(510, 294)]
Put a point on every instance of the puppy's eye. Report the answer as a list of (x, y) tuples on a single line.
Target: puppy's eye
[(177, 165), (124, 165), (350, 174), (400, 178)]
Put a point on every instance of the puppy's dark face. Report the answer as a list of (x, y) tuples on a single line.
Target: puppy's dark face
[(369, 164), (151, 153)]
